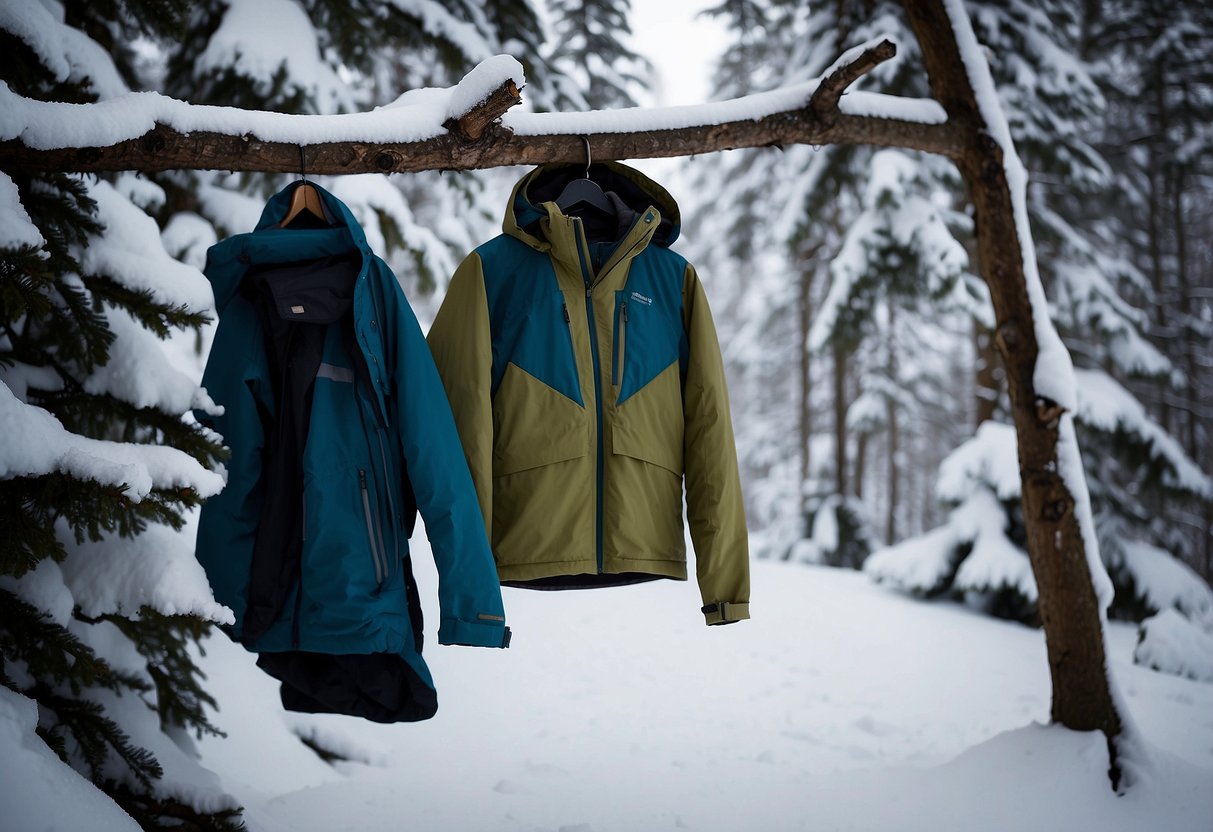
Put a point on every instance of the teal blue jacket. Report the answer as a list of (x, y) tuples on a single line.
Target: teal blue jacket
[(355, 572)]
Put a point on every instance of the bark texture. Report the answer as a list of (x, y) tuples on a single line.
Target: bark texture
[(1069, 608)]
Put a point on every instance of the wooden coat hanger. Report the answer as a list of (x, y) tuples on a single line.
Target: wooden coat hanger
[(584, 191), (305, 200)]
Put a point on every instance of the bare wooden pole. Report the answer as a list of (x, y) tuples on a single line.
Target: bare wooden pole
[(478, 140)]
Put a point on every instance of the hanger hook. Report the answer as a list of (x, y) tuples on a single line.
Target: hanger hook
[(302, 164), (588, 157)]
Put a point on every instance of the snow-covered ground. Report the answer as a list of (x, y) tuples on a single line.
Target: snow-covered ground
[(841, 705)]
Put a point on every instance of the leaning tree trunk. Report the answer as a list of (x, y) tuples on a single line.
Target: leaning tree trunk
[(1069, 606)]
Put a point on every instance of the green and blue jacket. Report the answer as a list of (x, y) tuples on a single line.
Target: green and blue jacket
[(583, 369)]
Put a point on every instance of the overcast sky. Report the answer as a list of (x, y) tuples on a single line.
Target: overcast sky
[(681, 45)]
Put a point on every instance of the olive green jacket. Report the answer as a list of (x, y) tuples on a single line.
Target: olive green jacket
[(586, 382)]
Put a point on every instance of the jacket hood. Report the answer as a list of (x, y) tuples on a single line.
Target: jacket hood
[(634, 193), (270, 243)]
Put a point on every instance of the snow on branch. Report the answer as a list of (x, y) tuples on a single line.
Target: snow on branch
[(461, 128)]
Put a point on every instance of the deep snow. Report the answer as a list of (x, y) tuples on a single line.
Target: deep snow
[(841, 705)]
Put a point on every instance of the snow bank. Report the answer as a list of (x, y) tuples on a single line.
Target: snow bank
[(68, 53), (37, 443), (38, 791), (43, 588), (1161, 580), (129, 252), (1170, 643), (16, 227), (838, 706), (1107, 406), (990, 459), (240, 44), (156, 569), (994, 563), (184, 779), (927, 564), (373, 199), (920, 565)]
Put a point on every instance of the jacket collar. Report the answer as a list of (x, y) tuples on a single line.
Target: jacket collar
[(567, 244), (227, 261)]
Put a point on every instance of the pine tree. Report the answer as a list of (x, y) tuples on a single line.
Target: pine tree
[(97, 456), (866, 340), (1154, 72), (1054, 105), (592, 37)]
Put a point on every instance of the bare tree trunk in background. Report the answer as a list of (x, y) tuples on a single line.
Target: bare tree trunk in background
[(1069, 608), (861, 463), (805, 422), (840, 418), (1157, 178), (1179, 221), (890, 529)]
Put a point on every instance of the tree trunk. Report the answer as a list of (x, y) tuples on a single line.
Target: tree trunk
[(805, 422), (890, 529), (988, 385), (861, 463), (840, 418), (1069, 607)]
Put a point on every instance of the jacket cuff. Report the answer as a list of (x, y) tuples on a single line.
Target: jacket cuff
[(726, 612), (474, 633)]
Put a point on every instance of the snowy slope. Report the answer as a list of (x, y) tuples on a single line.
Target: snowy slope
[(840, 705)]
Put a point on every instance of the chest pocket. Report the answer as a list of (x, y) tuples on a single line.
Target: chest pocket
[(648, 339)]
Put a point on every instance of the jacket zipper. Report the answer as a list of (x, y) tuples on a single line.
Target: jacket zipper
[(391, 503), (589, 314), (299, 584), (620, 344), (370, 526)]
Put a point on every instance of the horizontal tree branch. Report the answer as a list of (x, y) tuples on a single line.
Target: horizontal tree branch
[(478, 140)]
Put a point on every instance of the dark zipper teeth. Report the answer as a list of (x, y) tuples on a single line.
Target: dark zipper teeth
[(370, 529), (391, 503), (593, 328)]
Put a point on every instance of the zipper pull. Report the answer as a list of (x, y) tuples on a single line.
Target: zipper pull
[(565, 308), (623, 310), (362, 479), (589, 291)]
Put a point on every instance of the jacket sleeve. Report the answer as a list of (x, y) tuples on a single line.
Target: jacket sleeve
[(461, 344), (469, 592), (713, 485)]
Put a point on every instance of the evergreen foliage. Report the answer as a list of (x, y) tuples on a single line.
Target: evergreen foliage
[(592, 37), (882, 342), (55, 336), (1154, 70), (873, 222)]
